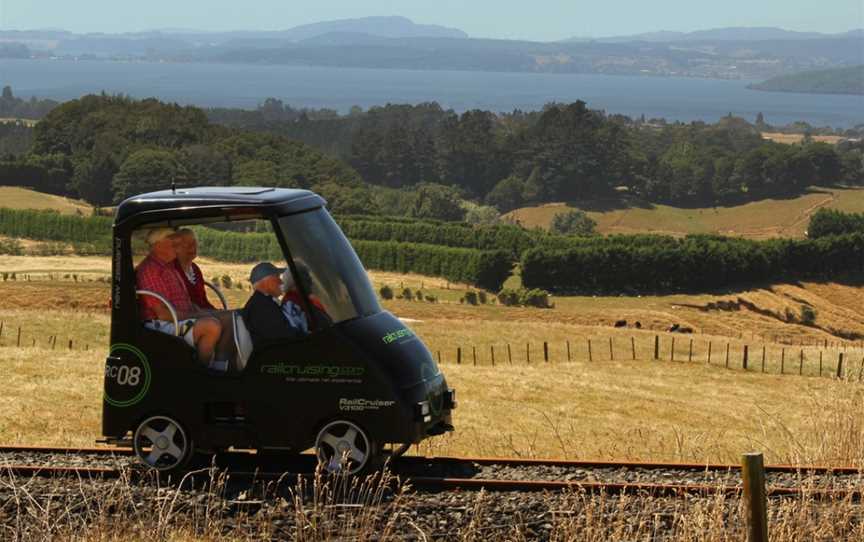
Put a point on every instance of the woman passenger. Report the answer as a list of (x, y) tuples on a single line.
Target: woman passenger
[(193, 278)]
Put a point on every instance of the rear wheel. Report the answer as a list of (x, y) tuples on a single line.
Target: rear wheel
[(343, 447), (162, 444)]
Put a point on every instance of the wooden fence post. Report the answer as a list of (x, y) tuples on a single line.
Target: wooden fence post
[(656, 347), (19, 336), (528, 352), (709, 352), (690, 355), (492, 354), (801, 363), (545, 351), (820, 361), (763, 358), (70, 344), (840, 366), (509, 355), (568, 349), (633, 347), (1, 330), (745, 356), (782, 360), (439, 357), (474, 354), (590, 357), (611, 353), (753, 476), (672, 350), (458, 355), (727, 355)]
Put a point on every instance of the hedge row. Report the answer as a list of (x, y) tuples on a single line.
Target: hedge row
[(52, 226), (696, 263), (238, 247), (484, 268), (827, 222), (509, 238)]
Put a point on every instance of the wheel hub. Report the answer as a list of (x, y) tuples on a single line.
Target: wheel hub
[(162, 443), (343, 447)]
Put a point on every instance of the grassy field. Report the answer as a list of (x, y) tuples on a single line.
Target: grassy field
[(15, 197), (756, 220), (789, 139), (606, 406)]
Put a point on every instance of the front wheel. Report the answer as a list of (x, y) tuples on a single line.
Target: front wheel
[(343, 447), (162, 444)]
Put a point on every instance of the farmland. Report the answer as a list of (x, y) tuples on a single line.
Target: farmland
[(611, 407), (764, 219), (14, 197)]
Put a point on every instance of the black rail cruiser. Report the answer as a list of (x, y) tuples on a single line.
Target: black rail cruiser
[(356, 383)]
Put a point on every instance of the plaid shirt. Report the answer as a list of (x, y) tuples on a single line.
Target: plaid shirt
[(162, 278)]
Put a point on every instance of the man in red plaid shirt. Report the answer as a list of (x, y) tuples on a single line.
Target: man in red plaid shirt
[(157, 274)]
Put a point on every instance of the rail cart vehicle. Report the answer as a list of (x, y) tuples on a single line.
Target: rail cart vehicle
[(359, 383)]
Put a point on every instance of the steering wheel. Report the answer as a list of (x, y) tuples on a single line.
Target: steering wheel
[(218, 294), (167, 304)]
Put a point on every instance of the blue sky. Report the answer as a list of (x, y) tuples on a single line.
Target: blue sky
[(534, 19)]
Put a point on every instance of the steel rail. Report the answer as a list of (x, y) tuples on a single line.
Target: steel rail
[(428, 483), (507, 462)]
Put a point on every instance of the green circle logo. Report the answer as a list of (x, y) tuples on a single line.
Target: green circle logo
[(127, 377)]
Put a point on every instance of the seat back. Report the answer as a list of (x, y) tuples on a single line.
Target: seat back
[(242, 340)]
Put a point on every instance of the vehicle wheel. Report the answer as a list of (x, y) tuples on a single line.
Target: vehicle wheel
[(343, 447), (161, 444)]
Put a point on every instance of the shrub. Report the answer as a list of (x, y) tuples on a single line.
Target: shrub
[(573, 222), (808, 315), (471, 297), (227, 282), (11, 246), (508, 297), (386, 292), (481, 297), (431, 299), (418, 295), (535, 298), (407, 294)]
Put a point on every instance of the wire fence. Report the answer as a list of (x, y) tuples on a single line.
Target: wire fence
[(839, 360), (18, 337)]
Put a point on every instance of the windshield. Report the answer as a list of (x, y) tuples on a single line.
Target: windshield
[(328, 267)]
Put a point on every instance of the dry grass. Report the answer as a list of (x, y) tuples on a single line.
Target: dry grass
[(15, 197), (790, 139), (379, 508), (605, 409), (757, 220)]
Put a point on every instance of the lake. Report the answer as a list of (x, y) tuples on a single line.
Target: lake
[(237, 85)]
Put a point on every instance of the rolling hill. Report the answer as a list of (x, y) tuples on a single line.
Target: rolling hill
[(834, 81), (756, 220)]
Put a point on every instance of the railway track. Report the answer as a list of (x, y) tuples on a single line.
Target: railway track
[(468, 474)]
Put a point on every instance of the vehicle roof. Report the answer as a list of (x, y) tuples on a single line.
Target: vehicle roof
[(183, 200)]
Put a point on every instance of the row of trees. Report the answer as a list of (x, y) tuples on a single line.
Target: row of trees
[(483, 268), (827, 222), (695, 263), (564, 152), (106, 148)]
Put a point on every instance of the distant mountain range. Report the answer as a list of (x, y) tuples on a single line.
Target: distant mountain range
[(755, 33), (399, 43)]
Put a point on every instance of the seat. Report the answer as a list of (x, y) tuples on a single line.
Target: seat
[(242, 340)]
